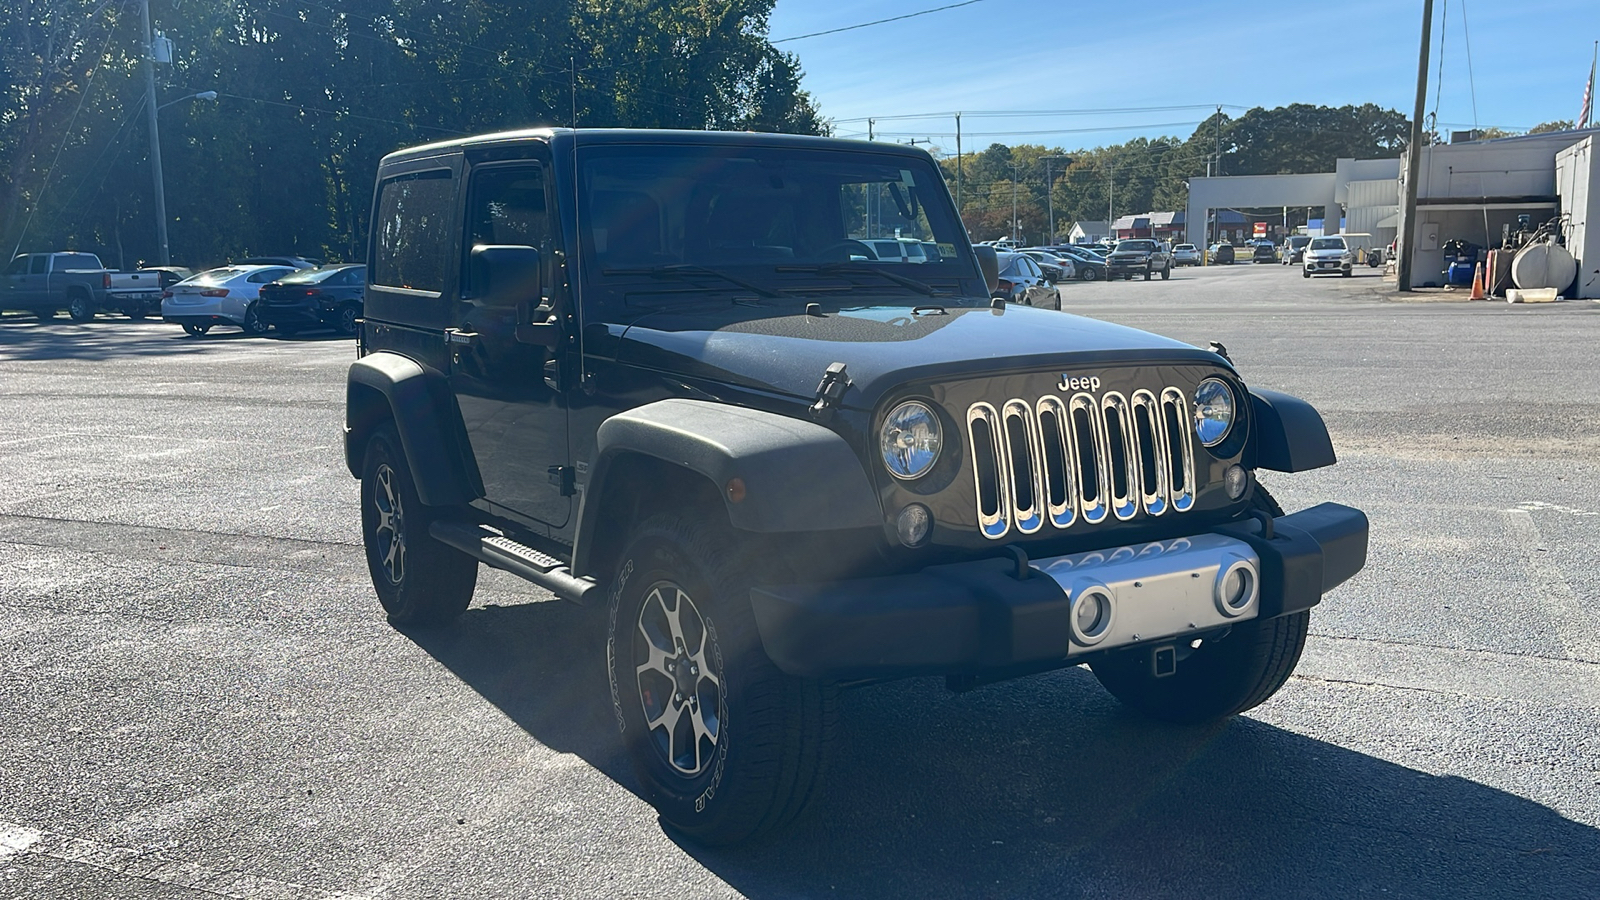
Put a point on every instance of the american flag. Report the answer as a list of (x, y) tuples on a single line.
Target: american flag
[(1588, 99)]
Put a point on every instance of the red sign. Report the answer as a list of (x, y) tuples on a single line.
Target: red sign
[(1261, 229)]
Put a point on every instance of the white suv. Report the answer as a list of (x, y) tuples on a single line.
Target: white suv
[(1327, 255)]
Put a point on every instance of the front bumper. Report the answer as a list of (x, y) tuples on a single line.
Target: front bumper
[(975, 616)]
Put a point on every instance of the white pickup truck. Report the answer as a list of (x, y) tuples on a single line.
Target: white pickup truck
[(44, 283)]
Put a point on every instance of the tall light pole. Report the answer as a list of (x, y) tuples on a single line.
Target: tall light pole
[(1050, 192), (1014, 200), (162, 252)]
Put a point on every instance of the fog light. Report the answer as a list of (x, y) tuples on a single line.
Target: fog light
[(1236, 589), (1236, 480), (914, 524), (1091, 615)]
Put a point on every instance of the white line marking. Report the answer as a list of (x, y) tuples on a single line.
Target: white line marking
[(157, 866), (1573, 627), (1540, 505)]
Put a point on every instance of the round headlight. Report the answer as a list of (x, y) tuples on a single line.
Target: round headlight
[(1213, 411), (910, 440)]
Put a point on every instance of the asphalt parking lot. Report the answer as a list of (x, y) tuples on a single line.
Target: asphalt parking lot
[(201, 698)]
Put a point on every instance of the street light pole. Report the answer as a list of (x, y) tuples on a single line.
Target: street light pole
[(1050, 192), (162, 252)]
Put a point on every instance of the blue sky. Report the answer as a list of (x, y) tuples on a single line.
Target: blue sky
[(1529, 61)]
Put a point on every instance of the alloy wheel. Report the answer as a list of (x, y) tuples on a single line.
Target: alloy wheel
[(390, 529), (680, 691)]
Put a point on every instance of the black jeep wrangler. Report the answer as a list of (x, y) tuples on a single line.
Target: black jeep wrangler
[(659, 373)]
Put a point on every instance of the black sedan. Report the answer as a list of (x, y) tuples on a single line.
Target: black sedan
[(1091, 266), (1022, 281), (325, 297)]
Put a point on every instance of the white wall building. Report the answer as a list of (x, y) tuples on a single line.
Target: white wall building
[(1365, 192)]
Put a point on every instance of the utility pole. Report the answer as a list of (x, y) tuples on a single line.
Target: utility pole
[(163, 253), (572, 85), (958, 169), (1111, 200), (1217, 130), (1050, 192), (1408, 218), (1014, 201)]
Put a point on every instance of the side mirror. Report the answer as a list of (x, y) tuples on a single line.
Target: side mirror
[(504, 275), (989, 265)]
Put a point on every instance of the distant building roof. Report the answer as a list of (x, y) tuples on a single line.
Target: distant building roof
[(1125, 223), (1167, 219), (1090, 227)]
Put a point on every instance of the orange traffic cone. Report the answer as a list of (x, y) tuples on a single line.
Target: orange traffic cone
[(1477, 283)]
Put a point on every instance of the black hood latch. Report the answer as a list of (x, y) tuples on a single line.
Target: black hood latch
[(830, 390)]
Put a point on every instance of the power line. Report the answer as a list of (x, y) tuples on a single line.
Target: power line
[(913, 15), (1007, 113)]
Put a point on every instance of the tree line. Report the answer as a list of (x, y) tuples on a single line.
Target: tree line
[(1143, 175), (311, 94)]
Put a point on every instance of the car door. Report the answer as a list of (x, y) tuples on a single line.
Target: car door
[(515, 415), (18, 289)]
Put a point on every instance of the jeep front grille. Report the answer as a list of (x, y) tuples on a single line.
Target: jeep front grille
[(1056, 460)]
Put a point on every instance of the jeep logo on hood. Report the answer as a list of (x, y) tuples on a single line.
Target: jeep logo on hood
[(1078, 383)]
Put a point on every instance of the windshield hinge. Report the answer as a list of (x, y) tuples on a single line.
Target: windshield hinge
[(830, 390)]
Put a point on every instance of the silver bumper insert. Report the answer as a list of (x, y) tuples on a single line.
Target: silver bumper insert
[(1149, 592)]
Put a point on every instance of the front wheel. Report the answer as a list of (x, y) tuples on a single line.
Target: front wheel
[(253, 325), (419, 580), (347, 321), (1166, 273), (725, 745), (1305, 273), (80, 308), (1088, 274)]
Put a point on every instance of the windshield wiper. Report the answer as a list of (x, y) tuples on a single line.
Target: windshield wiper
[(692, 269), (836, 268)]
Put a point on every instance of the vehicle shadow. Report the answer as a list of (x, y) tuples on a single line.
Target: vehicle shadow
[(1046, 787), (26, 338)]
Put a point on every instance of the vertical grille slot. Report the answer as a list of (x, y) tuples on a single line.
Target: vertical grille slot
[(1119, 444), (1180, 449), (1056, 441), (1149, 433), (1088, 436), (994, 503), (1022, 452)]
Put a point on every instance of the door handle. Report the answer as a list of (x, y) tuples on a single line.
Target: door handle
[(459, 337)]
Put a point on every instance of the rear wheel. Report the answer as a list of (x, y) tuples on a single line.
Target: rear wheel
[(347, 320), (419, 580), (195, 330), (725, 745), (1088, 274), (137, 313), (80, 307)]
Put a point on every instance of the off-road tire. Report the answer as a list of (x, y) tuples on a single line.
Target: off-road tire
[(432, 583), (772, 730), (80, 307), (1224, 677)]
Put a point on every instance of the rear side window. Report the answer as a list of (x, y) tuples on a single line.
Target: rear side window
[(78, 261), (413, 231), (40, 265)]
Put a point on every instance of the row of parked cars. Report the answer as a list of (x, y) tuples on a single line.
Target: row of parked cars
[(288, 294)]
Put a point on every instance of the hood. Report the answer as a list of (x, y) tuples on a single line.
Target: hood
[(881, 346)]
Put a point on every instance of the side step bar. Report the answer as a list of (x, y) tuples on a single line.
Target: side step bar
[(521, 560)]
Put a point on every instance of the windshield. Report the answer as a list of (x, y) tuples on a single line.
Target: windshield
[(1141, 246), (1328, 243), (1298, 242), (771, 215)]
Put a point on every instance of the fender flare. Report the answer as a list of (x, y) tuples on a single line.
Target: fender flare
[(1290, 435), (798, 476), (424, 413)]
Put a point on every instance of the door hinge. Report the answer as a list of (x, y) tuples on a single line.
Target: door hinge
[(564, 478), (831, 389)]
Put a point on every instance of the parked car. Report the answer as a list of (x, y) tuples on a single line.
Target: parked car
[(1294, 249), (293, 262), (1090, 266), (1263, 251), (221, 296), (43, 283), (1056, 268), (1222, 253), (1022, 281), (1327, 255), (325, 297), (1140, 256), (1185, 255), (762, 505)]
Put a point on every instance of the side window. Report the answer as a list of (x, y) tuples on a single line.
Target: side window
[(19, 266), (267, 276), (507, 206), (413, 231), (40, 265), (352, 276)]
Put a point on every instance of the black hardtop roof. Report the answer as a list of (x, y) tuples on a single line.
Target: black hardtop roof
[(566, 137)]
